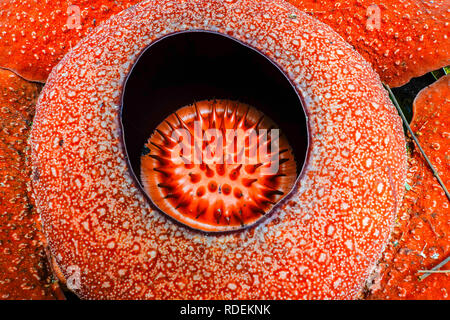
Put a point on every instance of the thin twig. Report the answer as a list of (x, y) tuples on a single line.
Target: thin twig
[(416, 141), (435, 269)]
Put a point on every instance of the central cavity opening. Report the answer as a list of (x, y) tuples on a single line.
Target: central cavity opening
[(225, 85)]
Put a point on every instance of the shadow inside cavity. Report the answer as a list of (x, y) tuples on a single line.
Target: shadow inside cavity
[(193, 66)]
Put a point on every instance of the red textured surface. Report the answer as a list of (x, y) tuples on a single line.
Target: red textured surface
[(321, 243), (36, 34), (24, 271), (421, 237), (223, 185), (412, 38)]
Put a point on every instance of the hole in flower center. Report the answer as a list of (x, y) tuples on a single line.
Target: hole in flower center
[(215, 133)]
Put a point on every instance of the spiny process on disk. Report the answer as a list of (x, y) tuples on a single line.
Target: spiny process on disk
[(229, 178)]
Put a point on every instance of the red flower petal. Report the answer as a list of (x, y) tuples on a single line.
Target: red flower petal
[(24, 273), (402, 39), (421, 238), (36, 34)]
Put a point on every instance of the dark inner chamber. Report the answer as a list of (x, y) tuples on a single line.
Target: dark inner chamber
[(193, 66)]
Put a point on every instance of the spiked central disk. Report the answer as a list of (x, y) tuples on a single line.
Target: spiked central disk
[(217, 165)]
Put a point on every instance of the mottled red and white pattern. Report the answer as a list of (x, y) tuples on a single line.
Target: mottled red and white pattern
[(321, 243), (402, 39)]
